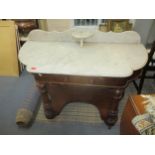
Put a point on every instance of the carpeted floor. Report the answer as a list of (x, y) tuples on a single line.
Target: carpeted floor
[(75, 119)]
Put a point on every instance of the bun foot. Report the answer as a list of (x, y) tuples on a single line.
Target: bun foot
[(111, 119), (50, 114), (110, 122)]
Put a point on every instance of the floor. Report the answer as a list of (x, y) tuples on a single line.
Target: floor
[(77, 119)]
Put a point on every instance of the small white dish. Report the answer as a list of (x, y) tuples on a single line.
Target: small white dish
[(81, 34)]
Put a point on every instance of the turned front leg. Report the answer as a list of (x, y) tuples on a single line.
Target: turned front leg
[(49, 112), (113, 112)]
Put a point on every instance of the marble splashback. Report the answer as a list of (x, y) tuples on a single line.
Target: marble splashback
[(101, 37)]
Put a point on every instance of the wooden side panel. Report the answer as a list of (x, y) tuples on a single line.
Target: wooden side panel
[(133, 107), (8, 49)]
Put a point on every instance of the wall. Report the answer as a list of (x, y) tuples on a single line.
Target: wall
[(143, 27), (42, 24), (58, 24), (152, 33)]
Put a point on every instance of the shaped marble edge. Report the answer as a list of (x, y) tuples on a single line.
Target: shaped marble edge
[(38, 36), (98, 37)]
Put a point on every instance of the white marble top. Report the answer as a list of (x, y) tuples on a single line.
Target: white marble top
[(104, 54)]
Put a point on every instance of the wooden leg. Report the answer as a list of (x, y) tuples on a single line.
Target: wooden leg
[(113, 114), (49, 112), (110, 116)]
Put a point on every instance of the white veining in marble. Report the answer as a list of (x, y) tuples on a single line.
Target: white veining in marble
[(60, 53)]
